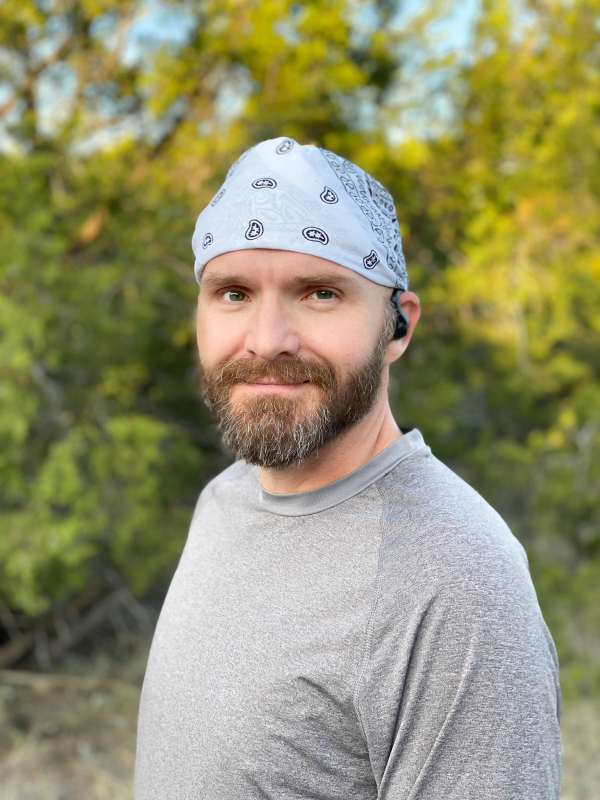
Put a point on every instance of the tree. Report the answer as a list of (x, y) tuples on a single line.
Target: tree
[(103, 443), (104, 446), (507, 388)]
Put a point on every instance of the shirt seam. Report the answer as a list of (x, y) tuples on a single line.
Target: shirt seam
[(366, 657), (352, 496)]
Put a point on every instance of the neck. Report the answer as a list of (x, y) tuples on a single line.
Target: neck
[(343, 455)]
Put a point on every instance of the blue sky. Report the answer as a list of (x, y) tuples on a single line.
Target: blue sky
[(454, 27), (429, 107)]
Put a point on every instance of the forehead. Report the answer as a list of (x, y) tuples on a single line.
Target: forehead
[(280, 268)]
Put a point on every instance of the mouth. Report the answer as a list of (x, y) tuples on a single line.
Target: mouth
[(274, 382), (269, 386)]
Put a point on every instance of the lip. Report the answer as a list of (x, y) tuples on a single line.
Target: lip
[(270, 387)]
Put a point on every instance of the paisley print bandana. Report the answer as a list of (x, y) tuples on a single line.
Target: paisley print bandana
[(281, 195)]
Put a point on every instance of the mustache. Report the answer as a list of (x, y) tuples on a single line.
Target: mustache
[(288, 371)]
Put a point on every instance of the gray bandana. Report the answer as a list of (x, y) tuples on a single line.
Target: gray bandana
[(281, 195)]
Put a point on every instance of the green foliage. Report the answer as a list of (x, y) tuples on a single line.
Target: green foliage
[(110, 492), (511, 291), (91, 465), (103, 442)]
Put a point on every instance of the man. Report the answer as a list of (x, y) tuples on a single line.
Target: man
[(349, 620)]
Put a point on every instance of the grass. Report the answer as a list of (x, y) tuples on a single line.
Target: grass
[(70, 736), (580, 734)]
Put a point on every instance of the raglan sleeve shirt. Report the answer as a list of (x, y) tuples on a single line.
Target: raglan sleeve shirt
[(458, 695), (375, 639)]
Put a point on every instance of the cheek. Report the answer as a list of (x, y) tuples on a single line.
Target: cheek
[(216, 341), (340, 345)]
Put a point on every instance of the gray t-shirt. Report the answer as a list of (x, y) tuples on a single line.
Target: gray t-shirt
[(378, 637)]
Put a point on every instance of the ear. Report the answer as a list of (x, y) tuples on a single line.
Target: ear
[(409, 302)]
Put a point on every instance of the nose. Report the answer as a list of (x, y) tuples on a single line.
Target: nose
[(271, 333)]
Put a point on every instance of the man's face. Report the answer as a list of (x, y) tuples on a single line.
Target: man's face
[(292, 350)]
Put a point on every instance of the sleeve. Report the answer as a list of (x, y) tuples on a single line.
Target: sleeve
[(459, 698)]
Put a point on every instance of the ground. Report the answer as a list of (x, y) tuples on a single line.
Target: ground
[(70, 736)]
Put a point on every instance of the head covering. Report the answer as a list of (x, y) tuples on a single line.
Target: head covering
[(284, 196)]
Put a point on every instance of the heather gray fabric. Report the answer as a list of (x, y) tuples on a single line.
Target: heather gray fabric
[(378, 637)]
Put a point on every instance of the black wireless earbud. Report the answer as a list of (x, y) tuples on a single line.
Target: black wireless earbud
[(402, 321)]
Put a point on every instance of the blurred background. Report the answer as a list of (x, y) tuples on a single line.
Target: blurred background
[(118, 121)]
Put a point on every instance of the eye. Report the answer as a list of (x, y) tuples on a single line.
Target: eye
[(234, 296), (323, 294)]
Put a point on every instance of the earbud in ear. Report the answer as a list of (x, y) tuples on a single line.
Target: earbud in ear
[(402, 321)]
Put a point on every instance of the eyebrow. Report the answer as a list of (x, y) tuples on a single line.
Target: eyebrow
[(322, 279), (221, 280)]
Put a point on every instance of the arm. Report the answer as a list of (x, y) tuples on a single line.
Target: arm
[(459, 698)]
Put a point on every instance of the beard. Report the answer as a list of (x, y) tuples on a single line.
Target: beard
[(276, 432)]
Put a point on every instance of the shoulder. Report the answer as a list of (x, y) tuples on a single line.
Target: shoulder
[(459, 667), (440, 536), (237, 478), (237, 472), (451, 569)]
